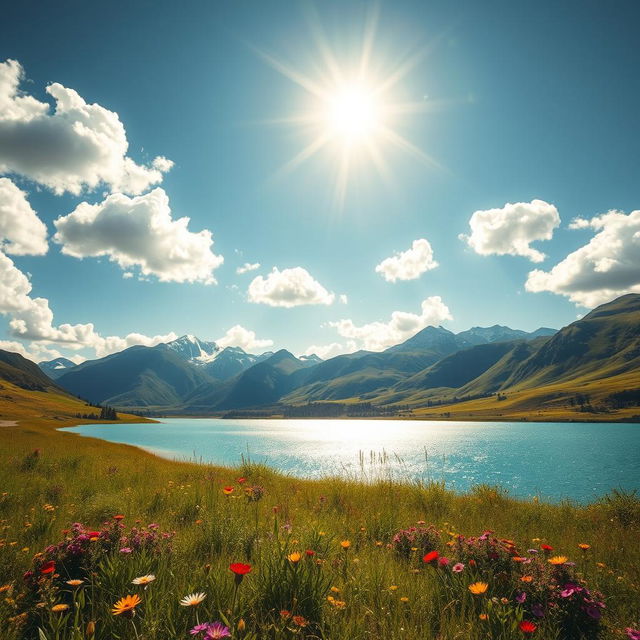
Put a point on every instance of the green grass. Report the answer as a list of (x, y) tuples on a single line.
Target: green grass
[(74, 479)]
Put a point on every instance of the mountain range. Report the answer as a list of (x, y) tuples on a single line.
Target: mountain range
[(435, 367)]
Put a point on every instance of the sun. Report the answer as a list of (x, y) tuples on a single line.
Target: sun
[(353, 107), (353, 114)]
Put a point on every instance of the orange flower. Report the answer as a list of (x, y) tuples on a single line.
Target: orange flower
[(483, 616), (294, 557), (227, 491), (558, 560), (58, 608), (118, 517), (478, 588), (126, 605), (345, 544), (584, 546), (75, 583), (526, 579)]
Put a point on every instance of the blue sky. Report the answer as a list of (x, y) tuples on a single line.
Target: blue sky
[(514, 103)]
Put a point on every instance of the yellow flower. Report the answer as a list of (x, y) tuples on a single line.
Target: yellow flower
[(126, 605), (193, 599), (294, 557), (558, 560), (345, 544), (144, 579), (478, 588), (393, 587), (75, 583), (335, 590), (404, 599), (584, 546), (59, 607)]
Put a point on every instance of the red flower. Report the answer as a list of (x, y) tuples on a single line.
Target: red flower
[(546, 547), (240, 569), (48, 567), (93, 534), (431, 556), (118, 517), (241, 480), (527, 627), (310, 553)]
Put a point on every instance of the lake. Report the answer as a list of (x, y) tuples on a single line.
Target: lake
[(579, 461)]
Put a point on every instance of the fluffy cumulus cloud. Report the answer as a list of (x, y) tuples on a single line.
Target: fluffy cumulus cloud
[(246, 339), (409, 264), (37, 352), (377, 336), (606, 267), (21, 231), (73, 147), (288, 288), (32, 319), (139, 232), (247, 266), (511, 230)]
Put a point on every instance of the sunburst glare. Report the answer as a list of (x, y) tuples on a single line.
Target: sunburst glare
[(354, 111)]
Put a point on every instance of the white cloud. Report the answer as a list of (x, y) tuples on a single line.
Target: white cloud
[(409, 264), (377, 336), (510, 230), (246, 339), (32, 319), (326, 351), (606, 267), (77, 146), (343, 298), (21, 231), (246, 267), (35, 352), (288, 288), (139, 231)]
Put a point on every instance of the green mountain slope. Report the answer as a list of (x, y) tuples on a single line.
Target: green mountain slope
[(24, 374), (136, 377)]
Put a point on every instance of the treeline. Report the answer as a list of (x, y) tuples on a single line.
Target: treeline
[(106, 413), (436, 402)]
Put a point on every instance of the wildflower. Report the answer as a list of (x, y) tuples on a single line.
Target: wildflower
[(227, 491), (393, 587), (404, 599), (457, 567), (48, 567), (593, 611), (193, 599), (294, 557), (241, 626), (199, 628), (126, 550), (443, 562), (345, 544), (633, 634), (478, 588), (526, 579), (58, 608), (309, 553), (558, 560), (537, 610), (75, 583), (521, 597), (144, 579), (91, 628), (241, 480), (4, 588), (217, 630), (546, 547), (527, 627), (126, 605), (430, 557), (335, 590), (483, 616), (583, 546), (300, 621), (240, 570), (118, 517)]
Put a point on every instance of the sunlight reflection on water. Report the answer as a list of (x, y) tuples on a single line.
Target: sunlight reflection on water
[(579, 461)]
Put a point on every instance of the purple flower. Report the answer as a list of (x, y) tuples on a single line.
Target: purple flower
[(537, 610), (217, 630), (199, 628), (634, 634), (521, 597), (593, 611)]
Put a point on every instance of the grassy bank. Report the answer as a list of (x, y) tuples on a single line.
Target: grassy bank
[(192, 522)]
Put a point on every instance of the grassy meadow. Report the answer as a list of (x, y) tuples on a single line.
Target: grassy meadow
[(278, 557)]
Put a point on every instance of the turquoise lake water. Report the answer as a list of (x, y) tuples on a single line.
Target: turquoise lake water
[(579, 461)]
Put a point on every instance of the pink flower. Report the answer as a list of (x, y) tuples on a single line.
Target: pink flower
[(457, 567), (443, 562)]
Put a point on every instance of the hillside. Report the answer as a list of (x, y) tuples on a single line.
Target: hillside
[(23, 373)]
